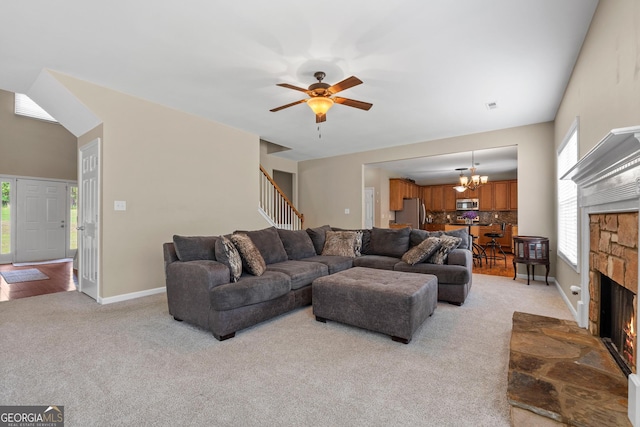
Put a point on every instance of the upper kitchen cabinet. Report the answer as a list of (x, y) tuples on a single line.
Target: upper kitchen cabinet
[(400, 189), (437, 198), (426, 196), (505, 195), (449, 198), (485, 196)]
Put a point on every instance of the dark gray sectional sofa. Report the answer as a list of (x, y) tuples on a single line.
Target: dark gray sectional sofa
[(200, 290)]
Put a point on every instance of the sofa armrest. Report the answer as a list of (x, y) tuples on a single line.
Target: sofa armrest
[(462, 257), (169, 253), (188, 287)]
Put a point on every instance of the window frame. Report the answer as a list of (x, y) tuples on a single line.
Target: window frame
[(27, 107)]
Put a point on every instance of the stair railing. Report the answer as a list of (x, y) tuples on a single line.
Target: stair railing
[(276, 206)]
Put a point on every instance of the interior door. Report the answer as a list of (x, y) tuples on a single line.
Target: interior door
[(369, 207), (41, 214), (89, 219)]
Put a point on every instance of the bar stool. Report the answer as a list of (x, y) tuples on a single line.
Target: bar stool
[(494, 248), (478, 252)]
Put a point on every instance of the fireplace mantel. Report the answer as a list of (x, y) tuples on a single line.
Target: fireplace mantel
[(608, 181)]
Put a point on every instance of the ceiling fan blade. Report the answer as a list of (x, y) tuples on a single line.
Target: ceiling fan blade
[(288, 105), (353, 103), (345, 84), (321, 118), (287, 85)]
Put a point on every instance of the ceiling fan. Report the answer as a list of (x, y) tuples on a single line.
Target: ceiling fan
[(321, 96)]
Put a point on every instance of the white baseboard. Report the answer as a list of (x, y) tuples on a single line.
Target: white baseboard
[(132, 295)]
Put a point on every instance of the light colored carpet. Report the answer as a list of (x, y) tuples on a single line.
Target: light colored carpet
[(28, 275), (130, 363)]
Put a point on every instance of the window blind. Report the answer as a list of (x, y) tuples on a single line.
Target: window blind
[(568, 201), (25, 106)]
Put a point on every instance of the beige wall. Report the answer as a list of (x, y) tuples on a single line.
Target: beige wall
[(178, 173), (34, 148), (271, 162), (328, 186), (604, 91)]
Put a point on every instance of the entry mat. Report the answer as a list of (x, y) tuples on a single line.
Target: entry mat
[(28, 275)]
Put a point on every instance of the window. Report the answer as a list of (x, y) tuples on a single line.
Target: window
[(568, 199), (5, 218), (25, 106)]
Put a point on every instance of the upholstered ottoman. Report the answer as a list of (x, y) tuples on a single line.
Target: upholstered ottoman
[(391, 302)]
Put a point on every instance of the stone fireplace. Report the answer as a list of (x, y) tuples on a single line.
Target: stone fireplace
[(608, 180), (613, 283)]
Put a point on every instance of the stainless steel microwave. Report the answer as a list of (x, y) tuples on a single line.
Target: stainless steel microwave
[(467, 205)]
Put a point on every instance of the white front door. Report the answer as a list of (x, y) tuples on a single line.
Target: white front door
[(41, 214), (89, 219)]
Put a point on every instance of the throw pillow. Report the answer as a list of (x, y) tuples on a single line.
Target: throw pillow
[(194, 248), (251, 258), (462, 233), (447, 244), (357, 248), (421, 252), (297, 243), (269, 244), (390, 241), (227, 254), (317, 236), (341, 243)]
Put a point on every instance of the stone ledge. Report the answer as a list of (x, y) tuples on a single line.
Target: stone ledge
[(561, 372)]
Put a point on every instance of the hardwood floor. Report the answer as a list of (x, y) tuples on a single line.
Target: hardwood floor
[(495, 268), (61, 278)]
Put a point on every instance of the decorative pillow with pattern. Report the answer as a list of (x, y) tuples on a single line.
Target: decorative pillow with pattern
[(227, 254), (252, 260), (422, 251), (341, 243), (447, 244)]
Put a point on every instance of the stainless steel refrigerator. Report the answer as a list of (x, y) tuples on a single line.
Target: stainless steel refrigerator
[(413, 213)]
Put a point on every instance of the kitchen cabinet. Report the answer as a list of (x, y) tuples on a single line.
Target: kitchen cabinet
[(426, 197), (449, 198), (437, 198), (501, 195), (513, 195), (400, 189), (434, 227), (485, 196), (466, 194)]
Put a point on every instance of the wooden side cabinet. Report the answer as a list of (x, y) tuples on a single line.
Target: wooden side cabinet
[(532, 251)]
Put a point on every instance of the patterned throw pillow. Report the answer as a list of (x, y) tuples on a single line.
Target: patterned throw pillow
[(251, 258), (447, 244), (341, 243), (422, 251), (227, 254)]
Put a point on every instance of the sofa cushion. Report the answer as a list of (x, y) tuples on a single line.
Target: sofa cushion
[(421, 252), (390, 242), (333, 262), (417, 236), (297, 243), (376, 261), (317, 236), (194, 248), (447, 244), (342, 243), (269, 244), (252, 260), (250, 290), (227, 254), (446, 274), (301, 273)]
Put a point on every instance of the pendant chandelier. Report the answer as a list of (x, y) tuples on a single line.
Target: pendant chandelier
[(472, 182)]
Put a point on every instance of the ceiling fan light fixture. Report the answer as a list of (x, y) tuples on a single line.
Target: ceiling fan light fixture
[(320, 104)]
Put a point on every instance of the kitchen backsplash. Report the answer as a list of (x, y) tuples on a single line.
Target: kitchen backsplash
[(485, 217)]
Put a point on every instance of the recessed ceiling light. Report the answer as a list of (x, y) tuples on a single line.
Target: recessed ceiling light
[(491, 105)]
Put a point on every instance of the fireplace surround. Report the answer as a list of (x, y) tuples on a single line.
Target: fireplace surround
[(608, 181)]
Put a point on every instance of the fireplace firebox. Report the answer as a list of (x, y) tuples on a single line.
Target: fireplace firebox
[(617, 322)]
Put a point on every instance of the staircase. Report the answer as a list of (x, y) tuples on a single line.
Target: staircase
[(276, 208)]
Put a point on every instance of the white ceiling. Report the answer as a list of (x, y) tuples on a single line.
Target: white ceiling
[(496, 163), (428, 66)]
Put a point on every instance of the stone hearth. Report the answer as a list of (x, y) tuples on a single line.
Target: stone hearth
[(560, 374)]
